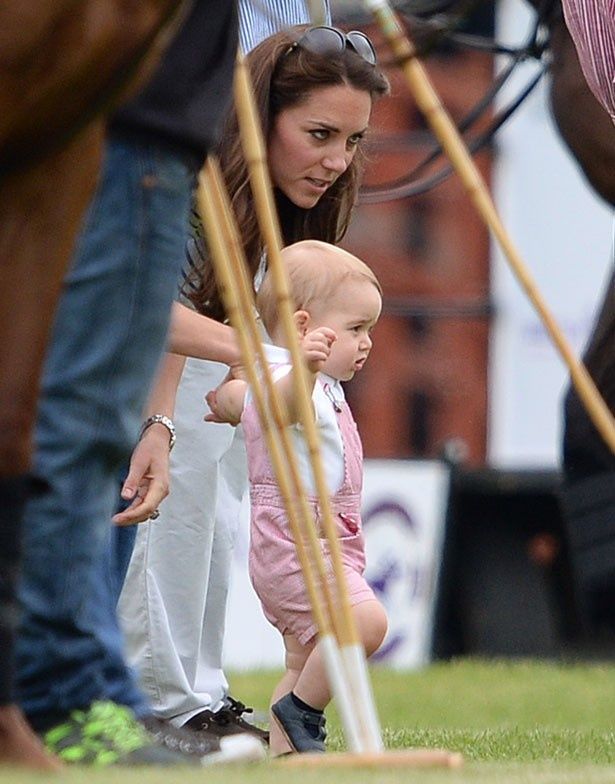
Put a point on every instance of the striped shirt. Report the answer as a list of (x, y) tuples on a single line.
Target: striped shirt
[(592, 26), (258, 19)]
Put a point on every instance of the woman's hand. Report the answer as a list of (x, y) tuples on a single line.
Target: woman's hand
[(147, 483)]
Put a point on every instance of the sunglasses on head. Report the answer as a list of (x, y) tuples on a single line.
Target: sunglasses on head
[(323, 40)]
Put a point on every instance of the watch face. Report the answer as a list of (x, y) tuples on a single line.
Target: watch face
[(160, 419)]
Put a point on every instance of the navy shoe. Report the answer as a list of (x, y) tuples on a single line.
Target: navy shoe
[(303, 729)]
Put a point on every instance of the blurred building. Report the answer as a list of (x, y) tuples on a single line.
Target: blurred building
[(424, 389)]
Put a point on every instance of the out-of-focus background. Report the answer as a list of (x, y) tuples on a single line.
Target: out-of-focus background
[(460, 405)]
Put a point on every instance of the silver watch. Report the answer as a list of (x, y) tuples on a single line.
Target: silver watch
[(160, 419)]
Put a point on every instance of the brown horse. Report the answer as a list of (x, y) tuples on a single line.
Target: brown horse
[(588, 493), (63, 65)]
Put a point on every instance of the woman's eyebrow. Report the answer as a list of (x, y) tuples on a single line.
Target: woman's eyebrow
[(324, 124), (329, 127)]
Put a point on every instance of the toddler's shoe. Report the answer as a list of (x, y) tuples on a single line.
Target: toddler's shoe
[(303, 729)]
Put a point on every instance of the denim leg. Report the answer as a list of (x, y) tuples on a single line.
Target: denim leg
[(108, 336)]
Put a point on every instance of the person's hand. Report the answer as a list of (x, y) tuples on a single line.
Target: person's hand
[(214, 412), (316, 347), (218, 410), (236, 370), (147, 483)]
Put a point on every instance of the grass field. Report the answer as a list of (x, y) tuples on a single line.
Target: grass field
[(514, 722)]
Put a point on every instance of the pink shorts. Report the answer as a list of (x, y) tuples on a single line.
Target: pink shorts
[(286, 605)]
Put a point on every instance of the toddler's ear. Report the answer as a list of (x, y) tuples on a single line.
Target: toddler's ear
[(302, 321)]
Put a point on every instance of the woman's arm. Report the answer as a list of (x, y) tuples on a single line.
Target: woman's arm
[(194, 335), (147, 483)]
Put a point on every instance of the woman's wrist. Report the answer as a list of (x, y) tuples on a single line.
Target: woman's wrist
[(165, 421)]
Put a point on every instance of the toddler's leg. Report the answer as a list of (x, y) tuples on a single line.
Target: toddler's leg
[(296, 657), (313, 686), (310, 693)]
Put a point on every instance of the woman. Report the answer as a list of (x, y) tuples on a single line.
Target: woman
[(314, 89)]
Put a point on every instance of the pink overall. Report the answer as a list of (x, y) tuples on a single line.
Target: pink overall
[(274, 568)]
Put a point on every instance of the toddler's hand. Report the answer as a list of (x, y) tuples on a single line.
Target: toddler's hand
[(316, 346), (219, 412)]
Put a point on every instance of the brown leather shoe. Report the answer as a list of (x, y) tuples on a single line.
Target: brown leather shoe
[(226, 721)]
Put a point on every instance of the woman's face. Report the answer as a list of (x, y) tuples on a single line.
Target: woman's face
[(312, 144)]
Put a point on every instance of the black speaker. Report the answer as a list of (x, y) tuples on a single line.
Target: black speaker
[(506, 586)]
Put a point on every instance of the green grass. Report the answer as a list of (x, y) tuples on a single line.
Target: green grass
[(514, 722)]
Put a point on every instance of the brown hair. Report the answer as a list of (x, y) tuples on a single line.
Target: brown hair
[(316, 270), (283, 77)]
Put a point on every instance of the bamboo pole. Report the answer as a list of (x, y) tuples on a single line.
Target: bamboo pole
[(237, 291), (210, 207), (348, 639), (397, 758), (451, 141), (227, 253)]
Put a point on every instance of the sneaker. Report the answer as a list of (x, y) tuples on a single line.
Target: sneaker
[(109, 734), (227, 721), (207, 746), (303, 729)]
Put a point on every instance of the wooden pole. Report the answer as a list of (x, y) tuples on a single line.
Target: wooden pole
[(272, 423), (429, 103), (236, 290), (254, 152)]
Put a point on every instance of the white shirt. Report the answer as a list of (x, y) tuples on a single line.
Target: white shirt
[(328, 393)]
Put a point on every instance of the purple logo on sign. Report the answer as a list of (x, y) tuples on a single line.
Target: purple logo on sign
[(392, 570)]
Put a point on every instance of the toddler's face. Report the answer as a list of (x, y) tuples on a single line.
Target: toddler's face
[(352, 313)]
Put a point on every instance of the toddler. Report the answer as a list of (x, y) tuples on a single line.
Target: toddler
[(337, 301)]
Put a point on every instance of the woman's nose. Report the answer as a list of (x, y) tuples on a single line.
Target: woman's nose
[(337, 160)]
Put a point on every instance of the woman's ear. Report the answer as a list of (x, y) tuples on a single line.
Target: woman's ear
[(302, 321)]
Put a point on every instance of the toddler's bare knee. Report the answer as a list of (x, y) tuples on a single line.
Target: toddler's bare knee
[(296, 654), (378, 630), (372, 625)]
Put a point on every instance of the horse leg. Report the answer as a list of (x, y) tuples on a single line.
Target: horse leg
[(40, 213)]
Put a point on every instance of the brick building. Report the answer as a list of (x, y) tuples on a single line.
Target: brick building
[(426, 381)]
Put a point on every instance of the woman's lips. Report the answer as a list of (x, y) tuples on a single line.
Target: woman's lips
[(319, 185)]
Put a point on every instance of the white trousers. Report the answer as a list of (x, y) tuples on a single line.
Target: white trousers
[(173, 603)]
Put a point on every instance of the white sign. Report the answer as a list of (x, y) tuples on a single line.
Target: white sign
[(404, 509)]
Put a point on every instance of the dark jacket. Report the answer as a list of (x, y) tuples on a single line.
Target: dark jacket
[(182, 105)]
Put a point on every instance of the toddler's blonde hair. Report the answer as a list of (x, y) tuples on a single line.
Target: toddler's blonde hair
[(315, 271)]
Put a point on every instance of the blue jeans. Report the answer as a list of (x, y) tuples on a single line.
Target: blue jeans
[(108, 336)]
